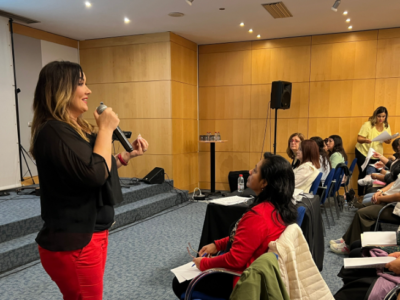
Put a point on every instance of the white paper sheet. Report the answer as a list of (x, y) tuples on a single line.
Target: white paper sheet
[(186, 272), (384, 136), (381, 238), (230, 200), (367, 262), (369, 155)]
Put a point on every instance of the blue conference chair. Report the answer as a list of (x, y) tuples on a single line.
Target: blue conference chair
[(315, 184), (351, 170), (325, 194), (336, 183), (193, 295)]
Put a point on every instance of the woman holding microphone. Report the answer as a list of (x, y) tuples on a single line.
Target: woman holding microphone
[(78, 180), (370, 130)]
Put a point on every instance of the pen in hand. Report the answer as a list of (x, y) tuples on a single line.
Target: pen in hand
[(201, 256)]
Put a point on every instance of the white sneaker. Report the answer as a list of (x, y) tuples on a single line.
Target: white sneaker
[(338, 241), (340, 248), (367, 180)]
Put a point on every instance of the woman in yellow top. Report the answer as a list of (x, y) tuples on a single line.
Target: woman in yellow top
[(370, 130)]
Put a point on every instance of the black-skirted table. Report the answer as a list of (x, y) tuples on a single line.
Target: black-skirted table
[(212, 161), (219, 219)]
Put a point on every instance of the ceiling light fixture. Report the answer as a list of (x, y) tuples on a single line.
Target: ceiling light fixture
[(258, 36), (222, 8), (126, 20), (241, 24), (88, 4), (176, 14), (251, 30), (345, 12), (350, 27), (189, 2), (335, 5), (348, 20)]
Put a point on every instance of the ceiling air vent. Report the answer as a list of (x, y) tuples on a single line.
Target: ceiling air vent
[(277, 10), (17, 17)]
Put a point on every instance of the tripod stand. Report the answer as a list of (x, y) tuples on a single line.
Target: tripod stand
[(21, 149)]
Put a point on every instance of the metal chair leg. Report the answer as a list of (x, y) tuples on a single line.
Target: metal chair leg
[(326, 215), (336, 200), (330, 208)]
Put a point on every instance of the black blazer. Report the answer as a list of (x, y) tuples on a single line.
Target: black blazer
[(75, 184)]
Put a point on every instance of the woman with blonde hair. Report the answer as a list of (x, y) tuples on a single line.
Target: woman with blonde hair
[(78, 180), (293, 145)]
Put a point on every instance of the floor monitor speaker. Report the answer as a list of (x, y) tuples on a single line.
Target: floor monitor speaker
[(281, 93), (156, 176)]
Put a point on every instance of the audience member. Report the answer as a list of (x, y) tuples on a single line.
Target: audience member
[(375, 125), (326, 145), (324, 162), (272, 180), (336, 152), (366, 217), (305, 174), (293, 145)]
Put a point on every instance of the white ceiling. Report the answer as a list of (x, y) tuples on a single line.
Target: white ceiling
[(203, 22)]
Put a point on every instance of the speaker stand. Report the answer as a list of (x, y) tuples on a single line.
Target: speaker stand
[(276, 124)]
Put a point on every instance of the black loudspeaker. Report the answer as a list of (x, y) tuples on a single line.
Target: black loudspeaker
[(281, 93), (155, 176)]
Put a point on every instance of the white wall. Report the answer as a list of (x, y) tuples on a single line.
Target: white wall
[(52, 51), (9, 154)]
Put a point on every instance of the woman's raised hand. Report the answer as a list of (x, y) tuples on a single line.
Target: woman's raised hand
[(140, 146), (209, 249), (107, 120)]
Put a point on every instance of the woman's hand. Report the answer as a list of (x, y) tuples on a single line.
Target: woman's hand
[(367, 141), (394, 266), (379, 164), (197, 261), (140, 146), (209, 249), (108, 120), (375, 197), (376, 155)]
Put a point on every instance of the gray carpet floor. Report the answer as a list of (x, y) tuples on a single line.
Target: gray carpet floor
[(141, 255)]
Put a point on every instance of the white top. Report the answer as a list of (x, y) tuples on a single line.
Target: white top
[(304, 176), (324, 171)]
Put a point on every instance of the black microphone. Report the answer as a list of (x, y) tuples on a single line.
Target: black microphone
[(117, 132)]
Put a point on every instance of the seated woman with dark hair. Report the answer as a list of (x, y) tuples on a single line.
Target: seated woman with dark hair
[(293, 145), (305, 174), (366, 217), (336, 152), (325, 164), (272, 180), (392, 164)]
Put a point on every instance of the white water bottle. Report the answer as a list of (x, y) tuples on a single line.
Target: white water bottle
[(240, 183), (215, 136), (219, 136), (208, 135)]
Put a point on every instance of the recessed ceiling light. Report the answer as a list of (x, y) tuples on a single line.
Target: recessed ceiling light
[(348, 20), (345, 12), (88, 4), (176, 14), (350, 27), (242, 24), (251, 30), (126, 20), (222, 8), (258, 36)]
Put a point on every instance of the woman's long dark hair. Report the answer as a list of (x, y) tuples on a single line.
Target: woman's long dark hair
[(395, 146), (338, 146), (278, 174), (325, 159)]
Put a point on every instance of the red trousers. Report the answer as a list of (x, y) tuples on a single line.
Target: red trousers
[(79, 273)]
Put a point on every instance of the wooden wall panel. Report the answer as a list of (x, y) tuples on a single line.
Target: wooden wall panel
[(345, 37), (230, 47), (388, 63), (281, 43), (229, 68), (183, 64), (184, 136), (389, 33), (339, 61), (224, 102), (143, 100), (143, 62), (387, 93), (186, 171), (184, 100), (288, 64), (348, 98)]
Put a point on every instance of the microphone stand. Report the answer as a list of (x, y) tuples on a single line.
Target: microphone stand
[(22, 150)]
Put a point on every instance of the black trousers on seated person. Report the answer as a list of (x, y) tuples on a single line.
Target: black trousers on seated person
[(216, 285)]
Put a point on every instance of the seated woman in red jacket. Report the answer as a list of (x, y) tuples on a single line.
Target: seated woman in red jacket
[(272, 180)]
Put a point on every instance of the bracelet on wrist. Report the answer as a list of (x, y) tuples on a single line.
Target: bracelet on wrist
[(123, 162)]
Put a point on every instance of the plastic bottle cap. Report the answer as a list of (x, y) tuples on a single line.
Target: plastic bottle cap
[(240, 175)]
